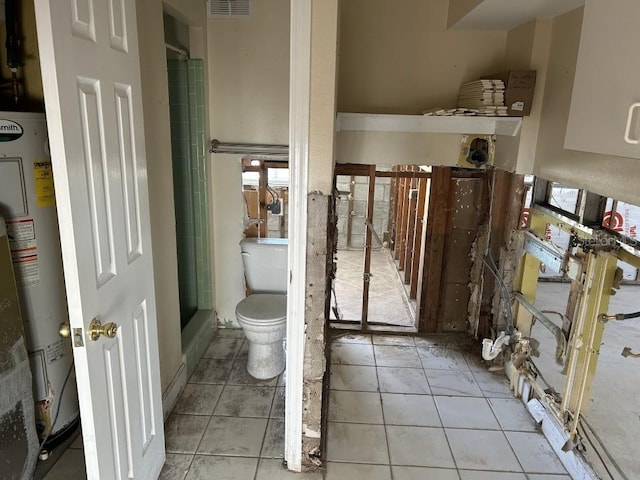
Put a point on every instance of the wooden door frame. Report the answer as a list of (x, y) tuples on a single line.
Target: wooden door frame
[(369, 171)]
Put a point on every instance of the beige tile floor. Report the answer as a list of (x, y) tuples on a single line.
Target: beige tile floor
[(401, 408)]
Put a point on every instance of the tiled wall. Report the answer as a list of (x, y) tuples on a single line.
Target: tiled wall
[(186, 101), (200, 176)]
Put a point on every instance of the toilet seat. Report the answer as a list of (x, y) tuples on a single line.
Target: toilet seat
[(262, 309)]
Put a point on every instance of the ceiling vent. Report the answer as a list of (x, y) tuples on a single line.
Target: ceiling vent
[(229, 8)]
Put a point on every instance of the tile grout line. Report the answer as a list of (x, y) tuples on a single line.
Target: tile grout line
[(501, 429), (444, 430), (224, 385), (384, 425)]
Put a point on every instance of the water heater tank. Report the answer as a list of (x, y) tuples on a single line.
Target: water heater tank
[(27, 202)]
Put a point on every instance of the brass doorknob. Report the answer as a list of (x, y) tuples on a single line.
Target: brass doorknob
[(96, 328), (64, 329)]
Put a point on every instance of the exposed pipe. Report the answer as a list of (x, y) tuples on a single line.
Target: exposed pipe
[(13, 45), (561, 341), (491, 349), (604, 318)]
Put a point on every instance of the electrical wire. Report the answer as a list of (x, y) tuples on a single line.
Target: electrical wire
[(55, 416), (627, 316), (604, 448), (274, 195), (561, 315), (335, 309), (585, 435), (506, 296), (505, 290), (536, 371)]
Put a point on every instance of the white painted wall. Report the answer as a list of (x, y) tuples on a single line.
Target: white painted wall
[(249, 102)]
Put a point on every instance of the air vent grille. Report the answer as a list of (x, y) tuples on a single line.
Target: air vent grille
[(230, 8)]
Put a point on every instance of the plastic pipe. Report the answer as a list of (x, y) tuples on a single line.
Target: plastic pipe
[(491, 349)]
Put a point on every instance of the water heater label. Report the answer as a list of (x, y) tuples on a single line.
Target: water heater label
[(43, 182), (10, 130), (56, 350), (24, 251)]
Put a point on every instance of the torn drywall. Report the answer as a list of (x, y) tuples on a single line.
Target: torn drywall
[(315, 334)]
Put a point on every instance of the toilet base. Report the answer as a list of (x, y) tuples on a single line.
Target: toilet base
[(266, 360)]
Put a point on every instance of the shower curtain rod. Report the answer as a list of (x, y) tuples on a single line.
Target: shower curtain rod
[(178, 50), (248, 148)]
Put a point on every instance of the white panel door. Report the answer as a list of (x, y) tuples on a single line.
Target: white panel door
[(91, 77)]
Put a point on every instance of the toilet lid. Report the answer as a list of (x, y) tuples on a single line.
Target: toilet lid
[(263, 307)]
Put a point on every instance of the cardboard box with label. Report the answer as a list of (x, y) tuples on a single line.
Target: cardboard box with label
[(518, 95)]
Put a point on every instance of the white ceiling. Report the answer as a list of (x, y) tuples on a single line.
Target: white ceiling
[(508, 14)]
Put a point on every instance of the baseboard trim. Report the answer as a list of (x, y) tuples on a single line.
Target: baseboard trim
[(196, 337), (171, 394)]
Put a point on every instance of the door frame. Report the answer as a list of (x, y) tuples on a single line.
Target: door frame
[(299, 113), (400, 174)]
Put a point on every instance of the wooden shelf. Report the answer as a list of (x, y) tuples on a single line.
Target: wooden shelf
[(371, 122)]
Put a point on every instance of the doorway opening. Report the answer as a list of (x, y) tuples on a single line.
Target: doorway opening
[(404, 246), (265, 188), (380, 214)]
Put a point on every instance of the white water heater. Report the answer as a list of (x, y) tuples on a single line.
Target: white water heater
[(27, 202)]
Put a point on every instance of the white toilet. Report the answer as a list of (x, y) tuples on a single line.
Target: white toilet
[(263, 314)]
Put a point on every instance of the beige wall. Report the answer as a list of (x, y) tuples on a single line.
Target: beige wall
[(397, 148), (249, 102), (606, 175), (158, 146), (324, 33), (519, 46), (527, 48), (402, 58), (153, 63), (459, 8)]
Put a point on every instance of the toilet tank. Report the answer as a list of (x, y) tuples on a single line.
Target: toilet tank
[(265, 264)]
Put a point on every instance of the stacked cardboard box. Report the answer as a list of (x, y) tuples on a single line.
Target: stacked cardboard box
[(518, 94)]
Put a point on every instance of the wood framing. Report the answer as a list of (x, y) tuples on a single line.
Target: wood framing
[(262, 201), (412, 202), (401, 235), (437, 230), (417, 238), (367, 247)]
